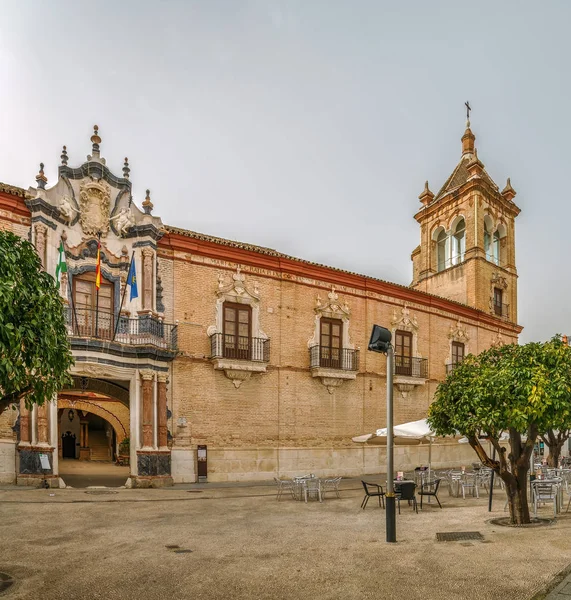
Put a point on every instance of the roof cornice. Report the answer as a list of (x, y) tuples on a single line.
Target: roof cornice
[(188, 242)]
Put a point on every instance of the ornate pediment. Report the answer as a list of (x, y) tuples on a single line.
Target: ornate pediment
[(332, 309), (499, 281), (458, 333), (403, 320), (237, 288), (94, 203)]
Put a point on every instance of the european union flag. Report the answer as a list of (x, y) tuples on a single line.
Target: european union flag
[(132, 280)]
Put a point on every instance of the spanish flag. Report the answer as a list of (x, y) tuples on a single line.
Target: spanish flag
[(98, 266)]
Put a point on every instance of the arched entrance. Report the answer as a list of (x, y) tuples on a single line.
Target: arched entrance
[(93, 435)]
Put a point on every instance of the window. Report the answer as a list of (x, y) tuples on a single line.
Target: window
[(498, 301), (496, 258), (459, 242), (457, 352), (237, 331), (441, 250), (330, 342), (488, 240), (403, 353), (92, 317)]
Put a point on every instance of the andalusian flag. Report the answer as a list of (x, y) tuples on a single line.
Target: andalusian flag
[(98, 266), (61, 264)]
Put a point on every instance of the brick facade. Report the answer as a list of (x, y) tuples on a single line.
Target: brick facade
[(281, 417)]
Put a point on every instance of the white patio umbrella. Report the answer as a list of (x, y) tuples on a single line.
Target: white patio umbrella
[(415, 432)]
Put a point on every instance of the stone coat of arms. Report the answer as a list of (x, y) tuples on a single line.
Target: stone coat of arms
[(94, 202)]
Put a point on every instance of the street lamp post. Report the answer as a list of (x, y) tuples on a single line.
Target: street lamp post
[(381, 342)]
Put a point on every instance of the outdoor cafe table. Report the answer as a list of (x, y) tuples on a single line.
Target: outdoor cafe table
[(300, 483)]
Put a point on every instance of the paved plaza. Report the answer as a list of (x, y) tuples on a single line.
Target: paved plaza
[(89, 543)]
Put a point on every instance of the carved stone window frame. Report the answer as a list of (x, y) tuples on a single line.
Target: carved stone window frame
[(403, 320), (236, 291), (333, 308), (457, 333), (500, 282)]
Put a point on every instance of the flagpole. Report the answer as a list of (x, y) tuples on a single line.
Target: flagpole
[(70, 292), (123, 297), (97, 287)]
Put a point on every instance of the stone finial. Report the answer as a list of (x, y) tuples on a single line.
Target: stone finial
[(64, 156), (508, 192), (147, 204), (41, 179), (95, 139), (426, 196), (475, 165), (468, 140), (126, 169)]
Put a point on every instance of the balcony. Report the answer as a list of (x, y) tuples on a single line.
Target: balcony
[(102, 326), (451, 366), (333, 366), (238, 356), (501, 310), (409, 372)]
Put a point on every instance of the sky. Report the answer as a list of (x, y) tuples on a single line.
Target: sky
[(308, 126)]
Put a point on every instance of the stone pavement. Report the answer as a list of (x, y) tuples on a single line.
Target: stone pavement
[(562, 590), (230, 541)]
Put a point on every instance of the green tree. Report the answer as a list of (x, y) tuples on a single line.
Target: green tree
[(35, 356), (523, 390)]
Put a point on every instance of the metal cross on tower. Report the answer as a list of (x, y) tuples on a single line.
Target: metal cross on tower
[(468, 109)]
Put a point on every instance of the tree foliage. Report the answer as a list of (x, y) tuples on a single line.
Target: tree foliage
[(35, 356), (523, 390)]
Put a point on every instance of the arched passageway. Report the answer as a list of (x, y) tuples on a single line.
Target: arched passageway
[(92, 436)]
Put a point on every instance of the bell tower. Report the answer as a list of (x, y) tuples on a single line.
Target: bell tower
[(467, 238)]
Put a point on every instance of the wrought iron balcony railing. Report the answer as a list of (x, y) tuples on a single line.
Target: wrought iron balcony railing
[(451, 366), (239, 347), (501, 310), (145, 330), (344, 359), (411, 366)]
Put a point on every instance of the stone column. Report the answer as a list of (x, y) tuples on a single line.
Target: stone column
[(162, 410), (147, 376), (148, 256), (24, 424), (40, 237), (43, 439)]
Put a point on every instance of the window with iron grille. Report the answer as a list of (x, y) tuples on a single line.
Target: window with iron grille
[(403, 352), (457, 352), (331, 342), (498, 301), (237, 332), (90, 313)]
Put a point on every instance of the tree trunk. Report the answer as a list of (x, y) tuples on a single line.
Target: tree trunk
[(554, 454), (516, 489)]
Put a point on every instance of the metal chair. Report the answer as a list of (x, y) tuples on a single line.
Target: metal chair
[(543, 493), (469, 481), (312, 487), (284, 485), (370, 493), (430, 488), (331, 485), (405, 490)]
